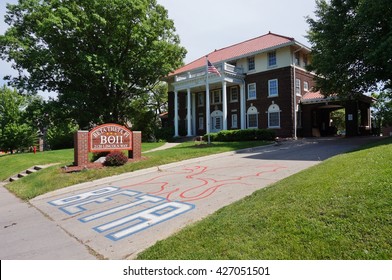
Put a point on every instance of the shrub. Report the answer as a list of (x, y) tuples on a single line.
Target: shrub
[(242, 135), (115, 159)]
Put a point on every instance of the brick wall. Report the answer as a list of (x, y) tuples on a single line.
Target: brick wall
[(136, 144), (81, 148)]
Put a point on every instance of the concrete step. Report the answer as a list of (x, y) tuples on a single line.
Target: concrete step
[(28, 171), (31, 170), (23, 174), (13, 179)]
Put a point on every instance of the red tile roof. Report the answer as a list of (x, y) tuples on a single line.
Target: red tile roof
[(248, 47), (313, 95)]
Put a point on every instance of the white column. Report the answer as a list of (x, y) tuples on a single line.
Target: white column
[(194, 114), (176, 114), (242, 106), (208, 113), (224, 104), (189, 113)]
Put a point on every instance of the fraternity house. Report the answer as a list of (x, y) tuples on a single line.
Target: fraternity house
[(259, 83)]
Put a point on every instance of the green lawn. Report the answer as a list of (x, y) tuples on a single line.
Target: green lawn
[(53, 178), (13, 164), (339, 209)]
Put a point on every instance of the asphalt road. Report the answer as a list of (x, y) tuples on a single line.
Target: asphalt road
[(120, 216)]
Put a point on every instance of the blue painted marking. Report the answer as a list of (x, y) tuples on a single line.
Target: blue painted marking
[(161, 210), (139, 200), (83, 196), (151, 217), (77, 208)]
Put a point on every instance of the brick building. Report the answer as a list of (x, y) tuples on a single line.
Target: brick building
[(263, 83)]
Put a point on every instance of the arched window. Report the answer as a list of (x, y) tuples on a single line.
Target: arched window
[(252, 116), (216, 121), (273, 116)]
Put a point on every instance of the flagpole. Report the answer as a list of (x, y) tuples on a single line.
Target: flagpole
[(207, 103)]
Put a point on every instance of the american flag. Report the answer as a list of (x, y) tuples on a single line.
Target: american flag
[(211, 68)]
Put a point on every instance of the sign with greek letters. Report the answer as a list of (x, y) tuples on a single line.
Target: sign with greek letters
[(110, 137)]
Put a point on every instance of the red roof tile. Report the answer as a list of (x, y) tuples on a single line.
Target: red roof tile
[(313, 95), (258, 44)]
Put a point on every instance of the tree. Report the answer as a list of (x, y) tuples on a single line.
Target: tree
[(351, 46), (382, 109), (15, 133), (97, 55)]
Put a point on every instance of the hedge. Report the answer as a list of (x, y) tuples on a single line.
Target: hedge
[(241, 135)]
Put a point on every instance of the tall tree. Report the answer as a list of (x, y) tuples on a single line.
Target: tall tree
[(351, 45), (15, 133), (96, 54)]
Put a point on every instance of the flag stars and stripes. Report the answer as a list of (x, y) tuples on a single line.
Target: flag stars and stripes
[(211, 68)]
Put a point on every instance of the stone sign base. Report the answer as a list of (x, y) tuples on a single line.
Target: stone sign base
[(81, 147)]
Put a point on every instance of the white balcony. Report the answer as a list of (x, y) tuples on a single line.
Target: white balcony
[(228, 70)]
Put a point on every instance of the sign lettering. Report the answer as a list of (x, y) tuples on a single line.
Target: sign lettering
[(109, 137)]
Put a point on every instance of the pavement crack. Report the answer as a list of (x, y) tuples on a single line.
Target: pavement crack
[(11, 225)]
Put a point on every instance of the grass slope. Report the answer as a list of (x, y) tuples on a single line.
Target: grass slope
[(13, 164), (339, 209), (53, 178)]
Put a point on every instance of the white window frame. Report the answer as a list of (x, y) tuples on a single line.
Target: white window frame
[(273, 109), (234, 120), (253, 91), (306, 86), (215, 116), (201, 122), (252, 111), (272, 59), (298, 87), (215, 93), (270, 88), (232, 91)]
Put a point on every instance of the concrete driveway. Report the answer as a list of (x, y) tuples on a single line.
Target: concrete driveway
[(120, 216)]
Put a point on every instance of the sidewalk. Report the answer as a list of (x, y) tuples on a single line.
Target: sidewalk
[(163, 147), (27, 234)]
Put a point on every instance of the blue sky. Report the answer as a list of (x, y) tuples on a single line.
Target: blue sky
[(206, 25)]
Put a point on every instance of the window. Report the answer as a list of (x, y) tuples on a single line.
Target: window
[(297, 86), (305, 60), (200, 100), (251, 63), (252, 117), (234, 94), (297, 59), (273, 116), (273, 88), (201, 122), (272, 58), (216, 97), (306, 86), (217, 121), (251, 91), (234, 121)]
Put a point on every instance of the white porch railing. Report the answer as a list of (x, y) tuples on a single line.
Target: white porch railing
[(228, 69)]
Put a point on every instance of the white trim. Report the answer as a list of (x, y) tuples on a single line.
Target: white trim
[(273, 109), (189, 113), (269, 88), (255, 90), (176, 114), (252, 111)]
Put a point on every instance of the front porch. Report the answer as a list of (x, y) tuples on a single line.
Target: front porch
[(208, 106)]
